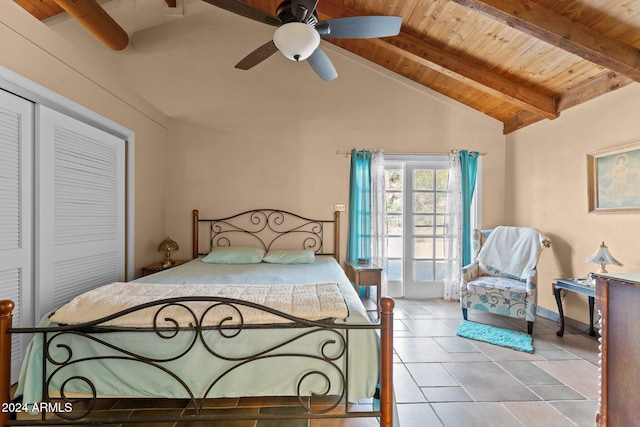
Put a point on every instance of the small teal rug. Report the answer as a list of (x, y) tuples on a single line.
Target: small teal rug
[(494, 335)]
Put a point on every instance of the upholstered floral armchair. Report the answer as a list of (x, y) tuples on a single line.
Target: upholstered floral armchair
[(503, 277)]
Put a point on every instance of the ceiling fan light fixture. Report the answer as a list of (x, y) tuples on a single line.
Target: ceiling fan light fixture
[(296, 40)]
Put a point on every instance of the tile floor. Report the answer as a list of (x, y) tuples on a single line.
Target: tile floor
[(443, 380)]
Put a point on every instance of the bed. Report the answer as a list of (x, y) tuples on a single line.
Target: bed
[(300, 320)]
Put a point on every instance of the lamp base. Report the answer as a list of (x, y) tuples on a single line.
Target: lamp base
[(168, 263), (602, 270)]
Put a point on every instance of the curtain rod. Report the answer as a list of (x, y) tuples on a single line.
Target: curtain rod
[(348, 153)]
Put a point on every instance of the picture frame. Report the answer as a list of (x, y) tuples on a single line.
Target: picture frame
[(613, 176)]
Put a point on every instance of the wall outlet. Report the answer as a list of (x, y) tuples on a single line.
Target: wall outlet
[(340, 207)]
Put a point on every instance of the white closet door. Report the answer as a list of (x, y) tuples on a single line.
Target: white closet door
[(16, 184), (80, 219)]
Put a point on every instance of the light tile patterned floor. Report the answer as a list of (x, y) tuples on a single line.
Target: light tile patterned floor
[(441, 379), (445, 380)]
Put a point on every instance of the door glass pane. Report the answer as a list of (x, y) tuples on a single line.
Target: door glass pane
[(393, 179), (393, 202), (440, 270), (423, 247), (441, 247), (423, 271), (394, 225), (423, 180), (441, 203), (394, 199), (394, 247), (394, 270), (423, 202), (423, 224), (441, 225), (442, 179)]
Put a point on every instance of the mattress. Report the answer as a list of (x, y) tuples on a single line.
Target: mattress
[(217, 364)]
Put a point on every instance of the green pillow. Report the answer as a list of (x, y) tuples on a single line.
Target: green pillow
[(291, 256), (234, 255)]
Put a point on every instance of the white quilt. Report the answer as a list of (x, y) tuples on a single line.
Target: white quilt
[(308, 301), (512, 250)]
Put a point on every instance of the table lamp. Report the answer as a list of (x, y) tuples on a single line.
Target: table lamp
[(603, 257), (167, 246)]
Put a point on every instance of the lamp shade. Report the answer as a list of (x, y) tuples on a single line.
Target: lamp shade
[(167, 246), (296, 40), (603, 257)]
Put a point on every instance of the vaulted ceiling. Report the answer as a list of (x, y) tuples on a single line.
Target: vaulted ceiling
[(519, 62)]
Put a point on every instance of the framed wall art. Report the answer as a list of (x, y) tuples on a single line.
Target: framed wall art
[(614, 179)]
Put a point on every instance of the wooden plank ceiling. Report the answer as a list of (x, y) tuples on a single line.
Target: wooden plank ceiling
[(517, 61)]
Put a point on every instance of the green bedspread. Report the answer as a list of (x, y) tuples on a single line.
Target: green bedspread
[(271, 374)]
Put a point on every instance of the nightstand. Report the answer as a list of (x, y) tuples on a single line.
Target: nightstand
[(366, 275), (156, 267)]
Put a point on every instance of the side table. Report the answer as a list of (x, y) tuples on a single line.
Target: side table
[(366, 275), (156, 267), (580, 287)]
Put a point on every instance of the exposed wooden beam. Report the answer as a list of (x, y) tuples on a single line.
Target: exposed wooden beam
[(41, 9), (600, 85), (523, 119), (458, 68), (603, 84), (562, 32), (469, 73)]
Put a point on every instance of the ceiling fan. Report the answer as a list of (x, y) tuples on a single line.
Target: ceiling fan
[(298, 32)]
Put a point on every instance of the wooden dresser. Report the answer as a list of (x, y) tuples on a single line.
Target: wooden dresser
[(618, 299)]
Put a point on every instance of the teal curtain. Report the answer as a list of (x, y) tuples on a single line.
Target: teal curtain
[(468, 169), (359, 244)]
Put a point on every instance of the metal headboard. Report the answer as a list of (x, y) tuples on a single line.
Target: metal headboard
[(268, 229)]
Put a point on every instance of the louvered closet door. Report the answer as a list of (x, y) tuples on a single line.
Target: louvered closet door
[(16, 250), (80, 221)]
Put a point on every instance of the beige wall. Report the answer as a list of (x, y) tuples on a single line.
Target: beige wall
[(29, 48), (546, 173), (294, 166)]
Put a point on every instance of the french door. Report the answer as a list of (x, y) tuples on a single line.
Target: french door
[(416, 202)]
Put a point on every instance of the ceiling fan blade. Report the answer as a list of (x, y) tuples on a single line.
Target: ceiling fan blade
[(322, 65), (257, 56), (360, 27), (243, 9), (301, 9)]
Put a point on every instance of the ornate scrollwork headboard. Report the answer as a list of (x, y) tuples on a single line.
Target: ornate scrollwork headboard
[(268, 229)]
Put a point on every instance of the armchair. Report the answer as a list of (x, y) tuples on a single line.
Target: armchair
[(503, 278)]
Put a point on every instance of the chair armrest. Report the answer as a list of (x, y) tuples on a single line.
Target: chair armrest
[(532, 280), (469, 273)]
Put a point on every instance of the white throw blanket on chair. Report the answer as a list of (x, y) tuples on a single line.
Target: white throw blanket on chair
[(512, 250)]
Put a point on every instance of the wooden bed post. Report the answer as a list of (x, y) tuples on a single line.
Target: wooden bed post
[(336, 236), (6, 319), (386, 362), (194, 230)]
